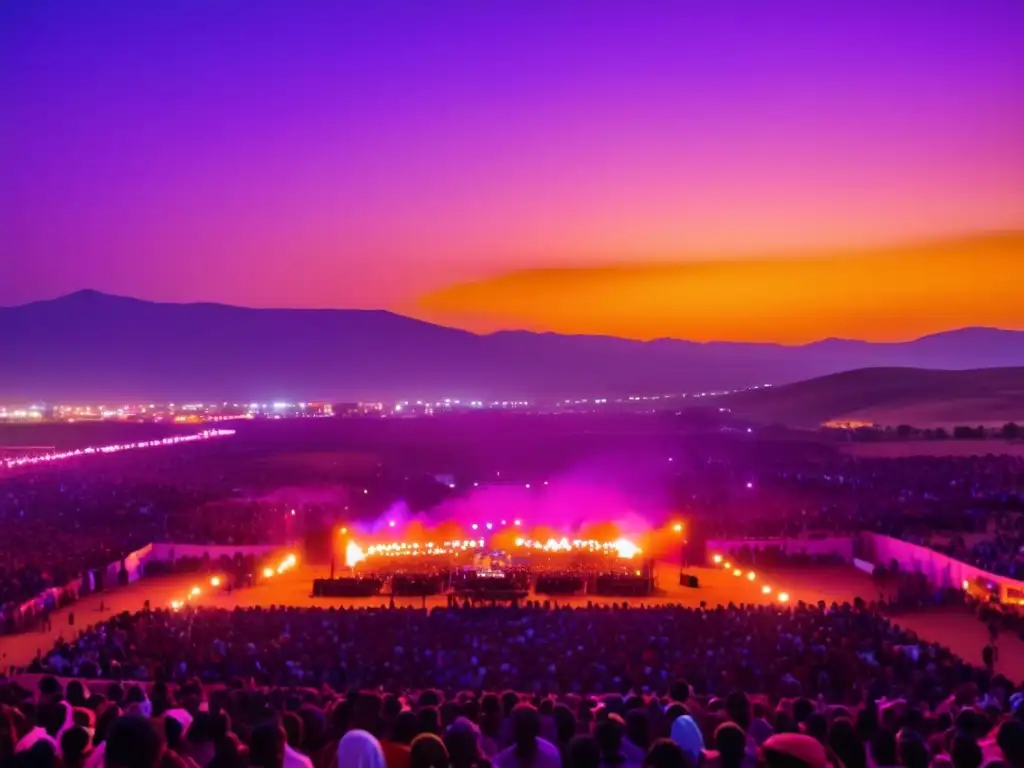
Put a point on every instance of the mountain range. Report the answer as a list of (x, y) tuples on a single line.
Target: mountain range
[(94, 346)]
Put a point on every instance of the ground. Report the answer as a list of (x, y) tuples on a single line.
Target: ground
[(956, 629)]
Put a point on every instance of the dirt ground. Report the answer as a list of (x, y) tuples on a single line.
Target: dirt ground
[(958, 630)]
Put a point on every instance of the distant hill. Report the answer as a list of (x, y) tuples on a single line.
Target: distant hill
[(90, 345), (891, 396)]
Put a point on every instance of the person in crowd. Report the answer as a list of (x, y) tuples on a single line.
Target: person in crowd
[(528, 749)]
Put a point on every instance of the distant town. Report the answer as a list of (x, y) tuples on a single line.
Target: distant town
[(203, 413)]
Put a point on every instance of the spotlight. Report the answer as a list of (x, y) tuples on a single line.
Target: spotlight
[(678, 527), (717, 559), (736, 572), (750, 575), (766, 590), (215, 581), (783, 597), (196, 591), (268, 572)]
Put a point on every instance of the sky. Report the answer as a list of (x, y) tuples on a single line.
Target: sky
[(761, 170)]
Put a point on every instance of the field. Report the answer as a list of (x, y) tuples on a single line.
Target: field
[(904, 448)]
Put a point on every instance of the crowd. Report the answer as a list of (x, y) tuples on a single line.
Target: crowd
[(839, 652), (62, 521), (801, 687)]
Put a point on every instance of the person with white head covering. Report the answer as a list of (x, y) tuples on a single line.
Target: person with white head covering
[(360, 749)]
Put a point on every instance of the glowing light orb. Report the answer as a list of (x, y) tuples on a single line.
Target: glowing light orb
[(215, 581), (751, 576), (766, 590), (354, 554), (717, 559), (783, 597), (626, 548)]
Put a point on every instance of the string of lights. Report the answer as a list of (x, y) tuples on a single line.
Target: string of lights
[(782, 597), (46, 458)]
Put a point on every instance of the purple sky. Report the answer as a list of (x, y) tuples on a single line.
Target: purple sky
[(365, 153)]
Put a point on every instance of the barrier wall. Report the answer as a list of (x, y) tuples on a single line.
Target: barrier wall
[(134, 565), (942, 570), (172, 551), (51, 597), (836, 546)]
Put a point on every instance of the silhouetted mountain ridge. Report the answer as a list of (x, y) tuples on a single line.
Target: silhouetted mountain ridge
[(890, 397), (91, 345)]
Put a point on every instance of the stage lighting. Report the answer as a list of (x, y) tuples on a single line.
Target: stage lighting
[(965, 584), (344, 531), (750, 575), (727, 565), (678, 527), (783, 597), (716, 559), (268, 572), (517, 522), (474, 526), (736, 572), (196, 591), (766, 590), (215, 581), (391, 524)]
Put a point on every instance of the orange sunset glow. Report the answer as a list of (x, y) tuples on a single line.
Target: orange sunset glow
[(882, 295)]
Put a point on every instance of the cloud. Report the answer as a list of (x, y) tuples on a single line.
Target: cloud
[(880, 295)]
